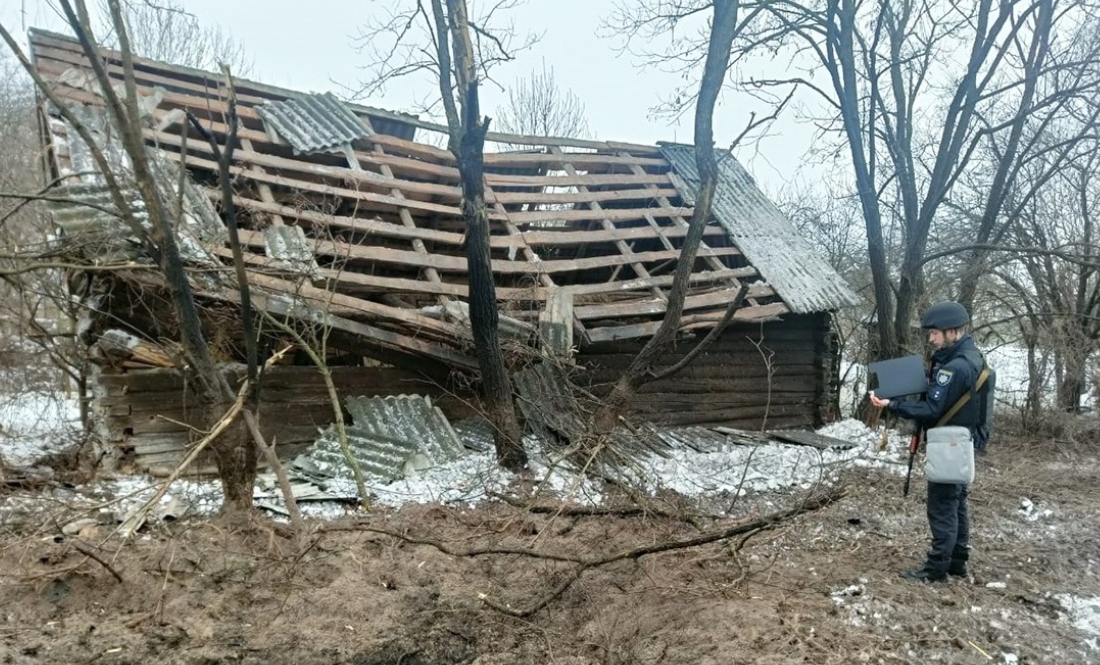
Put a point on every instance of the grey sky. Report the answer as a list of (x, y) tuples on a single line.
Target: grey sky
[(309, 46)]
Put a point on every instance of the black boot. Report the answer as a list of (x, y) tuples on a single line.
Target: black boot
[(958, 568), (924, 575), (958, 562)]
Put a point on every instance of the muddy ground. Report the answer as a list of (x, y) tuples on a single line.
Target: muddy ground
[(822, 587)]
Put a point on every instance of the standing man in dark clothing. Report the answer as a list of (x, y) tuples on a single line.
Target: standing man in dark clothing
[(956, 365)]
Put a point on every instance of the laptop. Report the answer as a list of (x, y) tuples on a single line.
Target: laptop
[(897, 377)]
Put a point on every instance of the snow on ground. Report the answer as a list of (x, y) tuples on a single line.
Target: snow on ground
[(32, 422), (1085, 615)]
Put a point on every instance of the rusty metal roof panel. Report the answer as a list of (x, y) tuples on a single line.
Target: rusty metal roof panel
[(313, 123), (803, 279)]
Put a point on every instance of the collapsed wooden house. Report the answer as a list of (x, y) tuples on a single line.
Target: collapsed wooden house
[(350, 217)]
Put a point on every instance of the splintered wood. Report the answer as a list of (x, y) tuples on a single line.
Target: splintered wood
[(370, 238)]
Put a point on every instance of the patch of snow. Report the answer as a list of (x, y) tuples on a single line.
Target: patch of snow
[(1030, 512), (995, 585), (32, 422), (850, 591), (1085, 614)]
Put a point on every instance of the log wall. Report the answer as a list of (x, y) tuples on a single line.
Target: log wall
[(777, 375), (142, 417), (789, 381)]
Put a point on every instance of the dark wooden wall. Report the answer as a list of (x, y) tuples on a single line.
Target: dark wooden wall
[(141, 417), (777, 375)]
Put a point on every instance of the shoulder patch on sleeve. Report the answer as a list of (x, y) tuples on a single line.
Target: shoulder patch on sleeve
[(944, 376)]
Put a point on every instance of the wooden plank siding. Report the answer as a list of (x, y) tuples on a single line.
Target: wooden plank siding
[(786, 382), (142, 416)]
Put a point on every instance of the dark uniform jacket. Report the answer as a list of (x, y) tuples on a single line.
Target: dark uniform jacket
[(955, 371)]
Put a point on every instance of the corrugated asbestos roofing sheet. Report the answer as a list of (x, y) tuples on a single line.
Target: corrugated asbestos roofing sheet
[(388, 436), (804, 280), (313, 123)]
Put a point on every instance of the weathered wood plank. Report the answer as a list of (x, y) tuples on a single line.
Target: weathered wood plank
[(653, 306), (591, 196), (391, 230), (595, 180), (458, 264), (557, 159), (761, 313)]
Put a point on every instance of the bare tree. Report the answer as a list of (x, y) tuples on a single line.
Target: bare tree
[(235, 455), (723, 29), (1065, 281), (909, 112), (462, 52), (37, 313), (164, 30), (538, 107), (408, 38)]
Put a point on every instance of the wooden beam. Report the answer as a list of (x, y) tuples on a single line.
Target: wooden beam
[(557, 158), (403, 212), (747, 314), (391, 230), (653, 307), (605, 221), (458, 264)]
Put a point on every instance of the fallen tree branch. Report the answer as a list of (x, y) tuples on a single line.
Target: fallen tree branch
[(766, 522), (571, 511), (95, 557), (717, 330), (584, 564)]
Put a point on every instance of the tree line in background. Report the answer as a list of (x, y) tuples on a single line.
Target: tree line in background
[(967, 141)]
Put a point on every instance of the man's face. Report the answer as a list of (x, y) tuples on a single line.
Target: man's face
[(939, 339)]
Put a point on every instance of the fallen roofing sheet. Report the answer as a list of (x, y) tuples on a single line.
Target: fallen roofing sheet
[(808, 438), (388, 436), (699, 439)]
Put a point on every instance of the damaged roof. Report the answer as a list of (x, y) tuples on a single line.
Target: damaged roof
[(803, 279), (347, 215)]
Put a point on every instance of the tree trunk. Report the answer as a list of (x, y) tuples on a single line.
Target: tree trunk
[(496, 385), (845, 83), (212, 387), (723, 30), (1071, 385), (235, 456)]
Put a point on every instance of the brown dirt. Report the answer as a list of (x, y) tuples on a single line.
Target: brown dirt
[(822, 588)]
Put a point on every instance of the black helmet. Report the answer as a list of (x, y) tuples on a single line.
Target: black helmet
[(945, 316)]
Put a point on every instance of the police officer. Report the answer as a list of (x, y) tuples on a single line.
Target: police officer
[(956, 364)]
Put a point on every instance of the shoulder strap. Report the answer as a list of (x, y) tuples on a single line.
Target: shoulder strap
[(954, 410)]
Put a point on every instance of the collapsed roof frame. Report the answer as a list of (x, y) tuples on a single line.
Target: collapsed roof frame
[(345, 216)]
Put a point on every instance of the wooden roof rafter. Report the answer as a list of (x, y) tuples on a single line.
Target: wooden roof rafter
[(384, 216)]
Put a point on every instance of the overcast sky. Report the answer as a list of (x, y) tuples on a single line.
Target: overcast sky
[(310, 46)]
